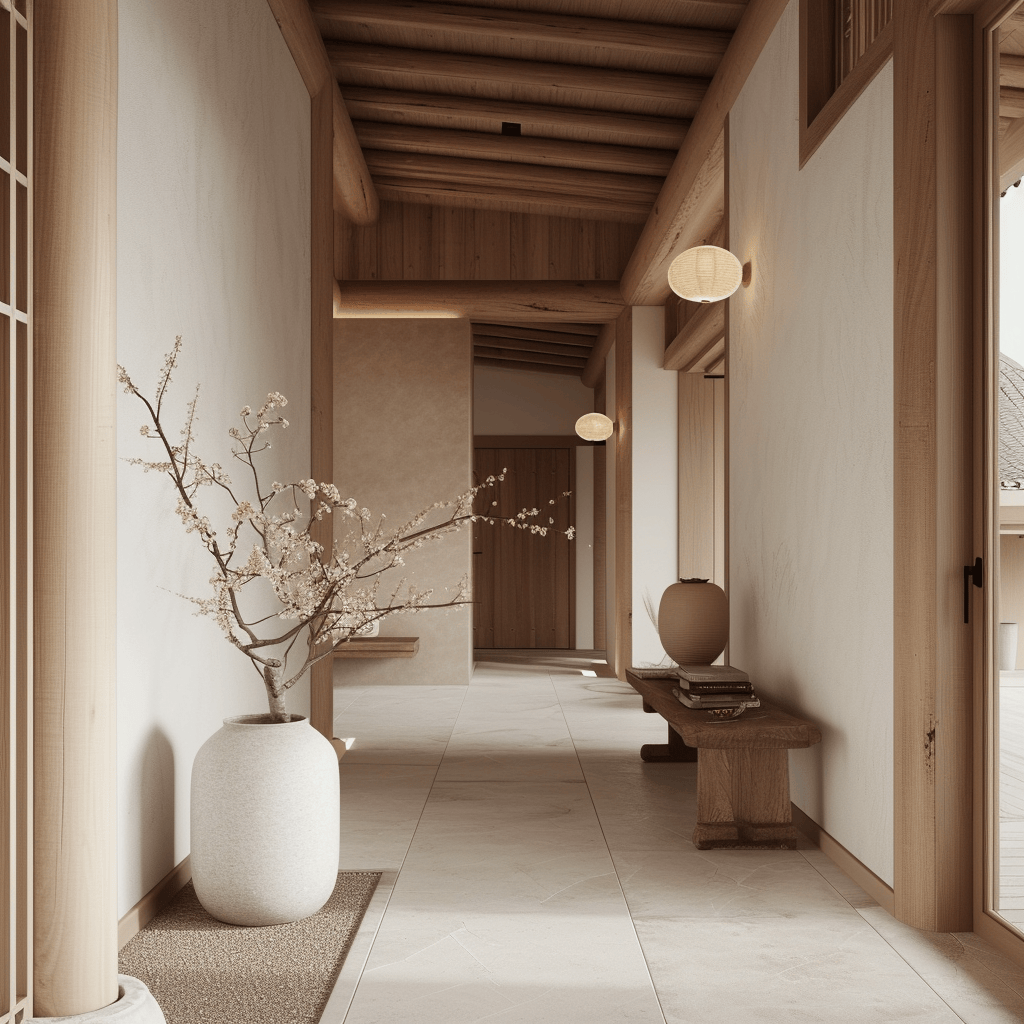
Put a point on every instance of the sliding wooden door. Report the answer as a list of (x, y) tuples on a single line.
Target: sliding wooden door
[(524, 585)]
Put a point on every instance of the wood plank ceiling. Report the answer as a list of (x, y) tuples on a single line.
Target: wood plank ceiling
[(545, 109)]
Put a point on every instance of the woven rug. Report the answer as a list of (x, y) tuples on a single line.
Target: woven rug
[(203, 971)]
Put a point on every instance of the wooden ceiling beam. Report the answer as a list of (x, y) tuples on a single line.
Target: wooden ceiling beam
[(523, 301), (1011, 101), (1011, 155), (624, 38), (509, 364), (674, 95), (594, 370), (694, 345), (354, 194), (583, 342), (593, 330), (372, 104), (592, 156), (539, 347), (516, 355), (498, 175), (1011, 70), (669, 229), (433, 192)]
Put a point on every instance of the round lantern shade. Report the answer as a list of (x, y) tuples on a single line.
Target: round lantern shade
[(693, 622), (594, 426), (705, 274)]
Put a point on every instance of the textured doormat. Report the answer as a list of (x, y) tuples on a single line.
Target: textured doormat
[(203, 971)]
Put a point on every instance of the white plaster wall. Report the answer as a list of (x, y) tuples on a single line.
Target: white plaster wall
[(524, 402), (213, 244), (811, 438), (655, 479)]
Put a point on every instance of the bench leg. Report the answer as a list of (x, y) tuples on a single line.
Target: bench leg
[(743, 800), (674, 750)]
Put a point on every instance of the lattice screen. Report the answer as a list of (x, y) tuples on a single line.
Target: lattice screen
[(16, 499), (858, 25)]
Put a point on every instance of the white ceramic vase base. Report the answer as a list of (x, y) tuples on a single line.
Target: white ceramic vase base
[(265, 816), (1006, 650), (135, 1005)]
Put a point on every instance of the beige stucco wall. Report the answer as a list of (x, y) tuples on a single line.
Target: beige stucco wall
[(403, 439), (811, 438), (213, 244)]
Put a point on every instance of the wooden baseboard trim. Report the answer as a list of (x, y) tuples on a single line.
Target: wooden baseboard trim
[(153, 902), (859, 872), (997, 934)]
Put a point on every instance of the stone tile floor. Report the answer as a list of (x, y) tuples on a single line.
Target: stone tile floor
[(537, 872)]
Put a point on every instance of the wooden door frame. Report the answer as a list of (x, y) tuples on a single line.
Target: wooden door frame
[(986, 922)]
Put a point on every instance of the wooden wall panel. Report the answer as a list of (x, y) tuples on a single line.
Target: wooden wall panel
[(696, 477), (414, 242)]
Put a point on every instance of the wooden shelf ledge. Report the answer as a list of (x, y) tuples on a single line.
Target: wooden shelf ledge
[(379, 647)]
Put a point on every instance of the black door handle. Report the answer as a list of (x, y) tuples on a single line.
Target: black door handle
[(972, 574)]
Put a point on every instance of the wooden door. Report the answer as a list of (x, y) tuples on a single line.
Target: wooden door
[(524, 584)]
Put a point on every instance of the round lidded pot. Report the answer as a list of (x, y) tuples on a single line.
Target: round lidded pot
[(693, 622)]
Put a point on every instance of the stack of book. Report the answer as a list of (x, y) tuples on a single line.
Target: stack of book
[(713, 687)]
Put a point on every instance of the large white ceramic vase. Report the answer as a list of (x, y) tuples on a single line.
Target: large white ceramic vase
[(265, 821)]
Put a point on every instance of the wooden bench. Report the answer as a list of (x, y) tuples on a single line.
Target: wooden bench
[(742, 767)]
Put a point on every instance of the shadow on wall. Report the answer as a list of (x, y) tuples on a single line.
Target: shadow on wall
[(156, 798)]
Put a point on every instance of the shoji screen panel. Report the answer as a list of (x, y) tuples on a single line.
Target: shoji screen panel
[(16, 501)]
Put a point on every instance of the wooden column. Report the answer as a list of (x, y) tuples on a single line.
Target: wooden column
[(933, 65), (75, 906), (321, 359), (623, 492), (600, 528)]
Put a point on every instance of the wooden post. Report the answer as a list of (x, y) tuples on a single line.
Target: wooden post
[(933, 66), (321, 359), (75, 942), (623, 400)]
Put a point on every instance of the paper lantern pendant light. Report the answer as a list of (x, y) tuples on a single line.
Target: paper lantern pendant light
[(594, 426), (705, 273)]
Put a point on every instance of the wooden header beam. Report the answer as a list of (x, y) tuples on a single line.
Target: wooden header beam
[(525, 301), (594, 369), (694, 347), (669, 229)]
